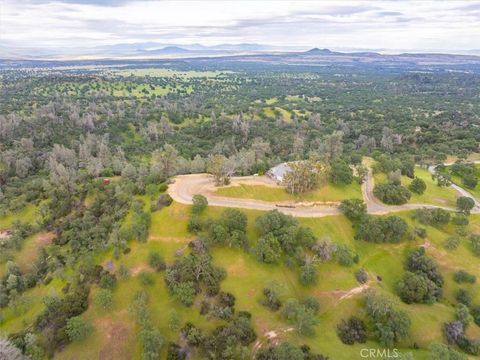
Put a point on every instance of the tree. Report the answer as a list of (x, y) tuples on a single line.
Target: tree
[(414, 288), (303, 176), (381, 229), (78, 329), (152, 342), (462, 276), (340, 173), (352, 330), (268, 249), (221, 169), (156, 261), (129, 172), (199, 204), (444, 352), (470, 181), (345, 255), (308, 274), (166, 160), (362, 276), (434, 217), (465, 204), (287, 351), (392, 194), (419, 263), (271, 299), (353, 209), (453, 331), (417, 186), (284, 351), (301, 316), (462, 313), (332, 147), (475, 244), (9, 352), (389, 324)]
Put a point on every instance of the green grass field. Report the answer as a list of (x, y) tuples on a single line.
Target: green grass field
[(434, 194), (326, 193), (115, 331), (247, 277)]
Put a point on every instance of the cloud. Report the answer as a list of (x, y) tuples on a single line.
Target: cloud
[(411, 25)]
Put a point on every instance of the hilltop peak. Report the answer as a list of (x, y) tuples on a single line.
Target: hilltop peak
[(319, 51)]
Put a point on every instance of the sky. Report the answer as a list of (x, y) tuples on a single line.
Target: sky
[(451, 26)]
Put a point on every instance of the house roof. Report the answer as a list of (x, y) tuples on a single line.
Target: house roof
[(279, 171)]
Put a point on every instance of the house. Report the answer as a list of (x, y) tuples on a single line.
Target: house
[(278, 172)]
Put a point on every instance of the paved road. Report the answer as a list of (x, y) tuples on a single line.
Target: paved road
[(186, 186)]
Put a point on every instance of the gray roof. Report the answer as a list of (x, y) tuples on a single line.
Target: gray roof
[(279, 171)]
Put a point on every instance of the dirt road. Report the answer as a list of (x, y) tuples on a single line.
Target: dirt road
[(186, 186)]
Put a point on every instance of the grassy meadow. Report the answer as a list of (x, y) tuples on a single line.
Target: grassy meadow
[(115, 332), (327, 193)]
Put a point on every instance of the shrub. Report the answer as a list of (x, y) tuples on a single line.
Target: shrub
[(156, 261), (392, 194), (420, 232), (460, 219), (452, 242), (194, 224), (469, 346), (362, 276), (146, 278), (353, 209), (453, 331), (271, 299), (434, 217), (476, 314), (152, 342), (475, 244), (462, 276), (104, 299), (324, 249), (344, 255), (108, 281), (185, 293), (200, 203), (463, 296), (444, 352), (308, 274), (352, 330), (175, 352), (462, 313), (417, 186), (78, 329), (163, 200)]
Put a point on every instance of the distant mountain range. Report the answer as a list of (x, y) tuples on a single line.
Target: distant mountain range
[(136, 50), (229, 53)]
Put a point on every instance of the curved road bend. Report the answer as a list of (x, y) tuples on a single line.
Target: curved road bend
[(186, 186)]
